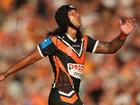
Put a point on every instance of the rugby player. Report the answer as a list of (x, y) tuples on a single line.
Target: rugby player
[(66, 48)]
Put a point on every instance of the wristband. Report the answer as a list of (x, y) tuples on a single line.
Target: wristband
[(122, 36)]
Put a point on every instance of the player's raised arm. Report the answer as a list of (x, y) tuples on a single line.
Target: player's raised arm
[(127, 25), (28, 60)]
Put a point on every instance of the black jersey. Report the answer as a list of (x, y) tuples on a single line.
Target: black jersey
[(67, 58)]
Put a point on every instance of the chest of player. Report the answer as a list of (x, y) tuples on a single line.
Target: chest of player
[(68, 50), (74, 52)]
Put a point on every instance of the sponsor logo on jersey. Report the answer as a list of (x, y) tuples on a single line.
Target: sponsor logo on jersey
[(75, 70), (75, 45), (69, 50)]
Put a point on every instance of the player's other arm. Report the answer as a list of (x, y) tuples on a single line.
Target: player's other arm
[(28, 60), (127, 25)]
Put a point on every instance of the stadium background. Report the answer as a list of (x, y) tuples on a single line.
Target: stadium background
[(107, 80)]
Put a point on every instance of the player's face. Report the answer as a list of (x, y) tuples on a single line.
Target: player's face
[(75, 18)]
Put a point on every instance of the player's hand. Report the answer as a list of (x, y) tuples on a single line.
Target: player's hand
[(127, 25), (2, 76)]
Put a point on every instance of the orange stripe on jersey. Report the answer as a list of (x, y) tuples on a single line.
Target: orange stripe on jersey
[(63, 69), (71, 100), (67, 50), (85, 38), (57, 69)]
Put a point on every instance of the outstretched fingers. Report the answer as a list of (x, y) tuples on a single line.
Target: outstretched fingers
[(131, 20)]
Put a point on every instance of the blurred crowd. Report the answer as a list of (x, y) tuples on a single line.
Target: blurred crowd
[(107, 80)]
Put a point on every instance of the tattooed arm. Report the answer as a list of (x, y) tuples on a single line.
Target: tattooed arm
[(109, 47), (127, 25)]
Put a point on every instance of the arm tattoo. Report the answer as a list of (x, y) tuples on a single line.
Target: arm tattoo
[(109, 47)]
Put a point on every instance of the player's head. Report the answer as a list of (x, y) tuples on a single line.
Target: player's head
[(67, 15)]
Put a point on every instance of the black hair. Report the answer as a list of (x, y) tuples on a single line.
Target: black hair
[(61, 17)]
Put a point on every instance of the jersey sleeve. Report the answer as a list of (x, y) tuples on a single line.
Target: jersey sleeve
[(46, 47), (91, 44)]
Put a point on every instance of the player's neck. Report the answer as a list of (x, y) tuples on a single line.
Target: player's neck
[(72, 32)]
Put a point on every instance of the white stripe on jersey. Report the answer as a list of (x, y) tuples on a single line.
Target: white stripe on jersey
[(95, 46), (67, 94), (39, 50)]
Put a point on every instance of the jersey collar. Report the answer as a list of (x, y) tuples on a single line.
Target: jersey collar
[(74, 40)]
